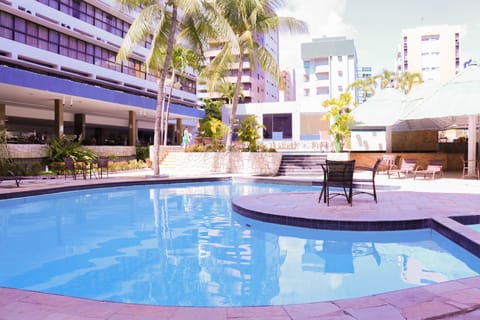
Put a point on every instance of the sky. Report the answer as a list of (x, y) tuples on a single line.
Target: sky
[(376, 25)]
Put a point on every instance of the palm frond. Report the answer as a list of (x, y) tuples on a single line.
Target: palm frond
[(141, 28)]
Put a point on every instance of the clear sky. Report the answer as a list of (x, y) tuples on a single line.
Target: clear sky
[(375, 26)]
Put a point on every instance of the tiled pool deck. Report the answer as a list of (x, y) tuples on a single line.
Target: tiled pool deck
[(404, 202)]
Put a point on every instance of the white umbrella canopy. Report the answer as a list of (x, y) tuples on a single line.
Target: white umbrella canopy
[(381, 110), (456, 104), (412, 101), (458, 97)]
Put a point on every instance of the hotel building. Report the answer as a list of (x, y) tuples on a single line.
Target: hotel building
[(257, 85), (433, 51), (59, 75), (330, 65)]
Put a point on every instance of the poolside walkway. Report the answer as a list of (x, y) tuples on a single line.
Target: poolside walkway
[(399, 200)]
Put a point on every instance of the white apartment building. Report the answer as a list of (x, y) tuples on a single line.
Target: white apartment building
[(59, 75), (434, 51), (330, 65), (258, 85)]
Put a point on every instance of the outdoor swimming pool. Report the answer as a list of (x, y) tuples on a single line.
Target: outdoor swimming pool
[(181, 244)]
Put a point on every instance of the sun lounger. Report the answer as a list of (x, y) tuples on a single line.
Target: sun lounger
[(434, 167), (407, 167), (9, 175)]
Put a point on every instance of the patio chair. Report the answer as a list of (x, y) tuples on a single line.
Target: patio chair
[(337, 174), (434, 167), (466, 164), (69, 167), (359, 182), (102, 165), (407, 167), (388, 162)]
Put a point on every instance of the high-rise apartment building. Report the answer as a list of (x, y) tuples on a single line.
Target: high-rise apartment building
[(59, 75), (433, 51), (257, 85), (330, 65)]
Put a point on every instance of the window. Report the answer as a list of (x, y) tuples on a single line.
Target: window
[(322, 75), (340, 88), (340, 58), (306, 92), (6, 25), (278, 126), (322, 90), (306, 78), (340, 73)]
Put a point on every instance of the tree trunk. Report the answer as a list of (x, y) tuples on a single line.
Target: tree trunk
[(236, 98), (165, 134), (161, 93)]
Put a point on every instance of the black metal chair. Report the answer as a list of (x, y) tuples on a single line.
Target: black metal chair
[(367, 180), (102, 165), (337, 174), (69, 166)]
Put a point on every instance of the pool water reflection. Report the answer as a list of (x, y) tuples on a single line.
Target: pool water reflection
[(183, 245)]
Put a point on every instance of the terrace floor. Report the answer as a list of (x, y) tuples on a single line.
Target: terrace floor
[(399, 200)]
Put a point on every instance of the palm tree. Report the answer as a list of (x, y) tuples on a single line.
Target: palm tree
[(367, 85), (387, 79), (407, 79), (339, 117), (181, 59), (247, 19), (160, 20)]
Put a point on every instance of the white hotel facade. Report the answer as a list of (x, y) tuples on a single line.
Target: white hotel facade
[(58, 75)]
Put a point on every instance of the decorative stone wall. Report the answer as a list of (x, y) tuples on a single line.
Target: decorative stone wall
[(118, 151), (27, 151), (38, 151), (253, 163)]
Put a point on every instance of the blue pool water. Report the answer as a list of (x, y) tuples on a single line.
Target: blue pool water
[(183, 245)]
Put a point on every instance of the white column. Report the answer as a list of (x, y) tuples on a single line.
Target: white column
[(388, 139)]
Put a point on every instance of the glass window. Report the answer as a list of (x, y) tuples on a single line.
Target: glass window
[(6, 25), (277, 126), (53, 41), (43, 38), (20, 29)]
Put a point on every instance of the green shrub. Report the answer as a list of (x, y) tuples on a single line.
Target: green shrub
[(142, 152), (248, 132)]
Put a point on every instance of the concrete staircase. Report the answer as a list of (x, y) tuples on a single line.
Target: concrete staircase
[(301, 164)]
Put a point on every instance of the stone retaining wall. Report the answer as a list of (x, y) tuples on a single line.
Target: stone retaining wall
[(38, 151), (254, 163)]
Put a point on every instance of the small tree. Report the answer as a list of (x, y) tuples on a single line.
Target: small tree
[(59, 148), (339, 117), (248, 132), (212, 128)]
